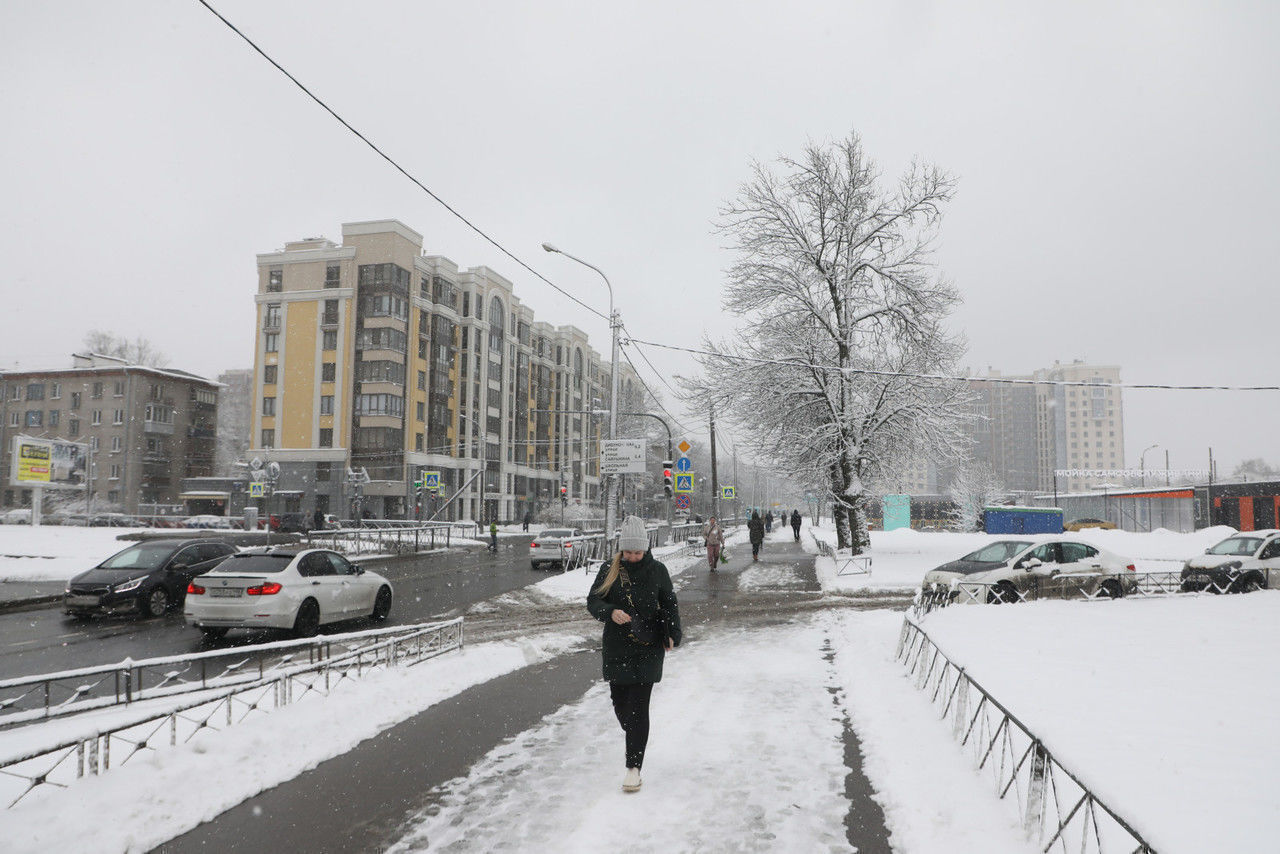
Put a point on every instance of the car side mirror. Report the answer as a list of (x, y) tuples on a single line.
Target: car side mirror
[(358, 569), (177, 567), (1031, 563)]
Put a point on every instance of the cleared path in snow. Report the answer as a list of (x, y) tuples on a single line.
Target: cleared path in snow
[(749, 751)]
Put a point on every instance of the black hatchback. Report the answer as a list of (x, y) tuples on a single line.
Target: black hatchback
[(147, 578)]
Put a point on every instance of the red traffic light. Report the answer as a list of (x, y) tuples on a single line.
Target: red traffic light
[(666, 473), (563, 490)]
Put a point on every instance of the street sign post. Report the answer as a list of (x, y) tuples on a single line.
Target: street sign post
[(728, 493), (684, 482), (431, 480), (684, 447), (683, 464), (682, 501), (622, 456), (256, 489)]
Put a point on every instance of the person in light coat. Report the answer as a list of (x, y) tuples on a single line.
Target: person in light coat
[(714, 536)]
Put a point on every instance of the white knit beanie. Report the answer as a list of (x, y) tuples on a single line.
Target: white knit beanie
[(634, 537)]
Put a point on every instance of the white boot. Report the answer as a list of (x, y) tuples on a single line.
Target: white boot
[(631, 782)]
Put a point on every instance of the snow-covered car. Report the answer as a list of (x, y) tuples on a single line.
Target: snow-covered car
[(285, 588), (1044, 566), (554, 546), (1082, 524), (16, 517), (1242, 562), (147, 578), (206, 521)]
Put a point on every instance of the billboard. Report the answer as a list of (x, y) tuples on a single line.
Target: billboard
[(48, 463)]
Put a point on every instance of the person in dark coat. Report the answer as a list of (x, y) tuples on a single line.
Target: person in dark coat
[(755, 529), (633, 587), (768, 521), (317, 521), (527, 520), (795, 523)]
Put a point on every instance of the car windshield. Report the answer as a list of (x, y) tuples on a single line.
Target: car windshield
[(557, 533), (142, 556), (255, 563), (1237, 546), (997, 552)]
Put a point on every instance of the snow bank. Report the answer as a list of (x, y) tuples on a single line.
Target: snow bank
[(55, 552)]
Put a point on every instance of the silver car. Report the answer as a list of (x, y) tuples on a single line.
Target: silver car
[(1032, 568), (554, 546), (1242, 562)]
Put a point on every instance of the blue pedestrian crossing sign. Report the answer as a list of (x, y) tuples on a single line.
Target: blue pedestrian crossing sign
[(684, 482), (683, 464), (728, 493), (255, 489), (431, 480)]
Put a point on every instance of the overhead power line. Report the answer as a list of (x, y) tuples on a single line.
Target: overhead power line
[(396, 165), (796, 363)]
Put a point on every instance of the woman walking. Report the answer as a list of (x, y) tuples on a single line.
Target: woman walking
[(633, 597), (795, 523), (715, 542), (755, 528)]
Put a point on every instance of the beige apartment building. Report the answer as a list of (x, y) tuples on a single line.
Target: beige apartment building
[(373, 357)]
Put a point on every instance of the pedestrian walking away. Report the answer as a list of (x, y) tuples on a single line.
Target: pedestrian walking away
[(317, 521), (715, 542), (493, 537), (527, 519), (755, 529), (768, 521), (633, 597), (795, 523)]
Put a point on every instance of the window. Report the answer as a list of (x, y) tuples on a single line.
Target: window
[(97, 417), (15, 392), (159, 413), (422, 380), (93, 443), (113, 495), (268, 406), (379, 404), (1072, 552), (418, 442), (381, 339), (155, 445), (330, 315), (115, 444), (328, 372), (117, 417), (330, 339), (14, 418), (73, 426), (271, 342), (269, 374), (55, 391), (324, 472), (332, 276), (422, 411), (54, 414), (326, 437), (75, 400), (119, 390), (35, 391), (268, 438), (380, 371), (326, 404), (380, 305), (275, 280), (35, 418), (271, 316)]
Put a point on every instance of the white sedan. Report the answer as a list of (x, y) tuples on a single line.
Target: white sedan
[(1035, 567), (285, 588)]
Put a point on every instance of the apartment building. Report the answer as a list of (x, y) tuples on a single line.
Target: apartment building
[(374, 356), (146, 428)]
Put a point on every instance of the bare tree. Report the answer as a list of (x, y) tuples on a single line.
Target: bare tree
[(139, 351), (841, 325), (973, 487)]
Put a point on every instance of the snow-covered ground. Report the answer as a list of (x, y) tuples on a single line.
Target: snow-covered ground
[(55, 552)]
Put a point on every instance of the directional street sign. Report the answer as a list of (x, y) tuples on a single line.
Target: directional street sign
[(683, 464), (255, 489), (684, 482), (682, 502), (431, 480), (684, 447), (622, 456), (728, 492)]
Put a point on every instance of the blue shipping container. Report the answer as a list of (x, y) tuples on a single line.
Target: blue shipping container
[(1022, 520)]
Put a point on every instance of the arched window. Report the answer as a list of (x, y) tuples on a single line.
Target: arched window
[(577, 369), (497, 325)]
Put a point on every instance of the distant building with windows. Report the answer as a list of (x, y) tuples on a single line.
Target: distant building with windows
[(146, 428), (374, 356)]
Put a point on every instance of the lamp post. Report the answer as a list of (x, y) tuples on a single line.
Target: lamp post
[(1142, 461), (610, 507)]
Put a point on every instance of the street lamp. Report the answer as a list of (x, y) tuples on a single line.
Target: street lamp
[(1142, 462), (610, 509)]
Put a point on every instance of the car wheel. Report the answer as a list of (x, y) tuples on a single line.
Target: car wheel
[(307, 623), (155, 602), (1002, 593), (1247, 584), (213, 632), (382, 605), (1110, 589), (79, 616)]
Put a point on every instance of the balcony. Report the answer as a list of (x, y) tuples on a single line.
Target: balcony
[(157, 427)]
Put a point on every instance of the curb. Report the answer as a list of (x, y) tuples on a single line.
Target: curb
[(30, 603)]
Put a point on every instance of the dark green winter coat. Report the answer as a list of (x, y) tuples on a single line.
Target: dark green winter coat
[(626, 661)]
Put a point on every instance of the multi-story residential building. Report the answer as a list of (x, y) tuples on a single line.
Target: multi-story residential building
[(146, 428), (235, 403), (1006, 436), (374, 356)]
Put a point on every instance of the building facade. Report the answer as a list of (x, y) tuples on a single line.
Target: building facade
[(376, 358), (146, 428)]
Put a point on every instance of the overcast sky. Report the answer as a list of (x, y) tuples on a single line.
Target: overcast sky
[(1117, 167)]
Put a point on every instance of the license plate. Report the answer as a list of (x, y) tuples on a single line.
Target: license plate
[(227, 592), (82, 600)]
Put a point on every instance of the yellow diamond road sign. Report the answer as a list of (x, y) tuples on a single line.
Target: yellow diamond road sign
[(684, 447)]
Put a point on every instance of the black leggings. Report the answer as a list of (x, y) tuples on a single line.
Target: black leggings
[(755, 549), (631, 705)]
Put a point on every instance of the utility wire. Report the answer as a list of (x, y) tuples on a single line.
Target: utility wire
[(396, 165), (793, 363)]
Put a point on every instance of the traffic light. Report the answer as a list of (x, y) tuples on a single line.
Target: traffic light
[(667, 482)]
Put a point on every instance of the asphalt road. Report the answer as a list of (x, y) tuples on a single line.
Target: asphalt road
[(44, 640)]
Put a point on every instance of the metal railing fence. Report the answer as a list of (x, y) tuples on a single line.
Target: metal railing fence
[(1057, 808), (60, 764), (33, 699), (389, 539), (845, 564)]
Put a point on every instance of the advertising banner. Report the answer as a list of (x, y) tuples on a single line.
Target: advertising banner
[(48, 463)]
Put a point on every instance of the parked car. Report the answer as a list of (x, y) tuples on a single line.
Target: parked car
[(20, 516), (1081, 524), (285, 588), (554, 546), (291, 523), (332, 522), (112, 520), (1054, 566), (1242, 562), (207, 521), (147, 578)]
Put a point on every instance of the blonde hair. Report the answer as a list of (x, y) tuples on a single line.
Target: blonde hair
[(615, 569)]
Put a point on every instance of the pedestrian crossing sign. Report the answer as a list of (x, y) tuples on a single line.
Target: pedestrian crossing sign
[(431, 480), (728, 493), (684, 482), (255, 489)]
